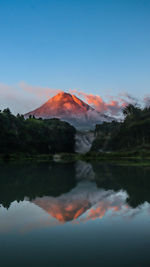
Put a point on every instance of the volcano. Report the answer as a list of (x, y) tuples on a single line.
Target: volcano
[(69, 108), (86, 200)]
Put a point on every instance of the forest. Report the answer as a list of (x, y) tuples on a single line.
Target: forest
[(49, 136), (133, 132), (34, 136)]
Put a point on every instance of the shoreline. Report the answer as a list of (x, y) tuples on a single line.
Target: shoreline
[(119, 158)]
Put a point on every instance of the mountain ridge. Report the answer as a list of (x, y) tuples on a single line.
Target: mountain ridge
[(70, 108)]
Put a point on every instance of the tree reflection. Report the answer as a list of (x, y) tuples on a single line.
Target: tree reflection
[(20, 180), (132, 179)]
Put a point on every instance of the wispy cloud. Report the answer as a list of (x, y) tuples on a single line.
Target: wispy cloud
[(113, 106), (38, 91), (147, 100), (23, 98)]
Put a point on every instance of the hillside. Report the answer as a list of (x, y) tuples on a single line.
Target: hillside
[(131, 134), (69, 108)]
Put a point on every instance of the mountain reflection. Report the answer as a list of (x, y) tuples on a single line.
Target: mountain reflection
[(75, 191), (85, 199)]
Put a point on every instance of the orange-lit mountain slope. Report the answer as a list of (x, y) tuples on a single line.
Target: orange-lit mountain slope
[(68, 107)]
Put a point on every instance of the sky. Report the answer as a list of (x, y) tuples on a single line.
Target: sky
[(98, 47)]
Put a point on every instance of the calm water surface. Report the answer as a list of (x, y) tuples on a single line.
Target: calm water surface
[(74, 214)]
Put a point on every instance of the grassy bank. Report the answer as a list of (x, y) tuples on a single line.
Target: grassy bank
[(122, 157), (25, 157)]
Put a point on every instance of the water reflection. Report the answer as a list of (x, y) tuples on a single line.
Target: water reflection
[(85, 202), (134, 180), (75, 191), (74, 214), (18, 181)]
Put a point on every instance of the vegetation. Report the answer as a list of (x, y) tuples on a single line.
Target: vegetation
[(23, 179), (133, 180), (133, 134), (34, 136)]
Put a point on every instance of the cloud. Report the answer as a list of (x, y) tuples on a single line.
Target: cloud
[(112, 107), (146, 101), (114, 104), (10, 97), (38, 91), (128, 98), (22, 97)]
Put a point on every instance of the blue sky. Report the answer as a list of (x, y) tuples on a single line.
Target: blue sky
[(100, 47)]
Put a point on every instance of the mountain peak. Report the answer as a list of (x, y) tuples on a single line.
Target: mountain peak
[(61, 94), (70, 108), (64, 95)]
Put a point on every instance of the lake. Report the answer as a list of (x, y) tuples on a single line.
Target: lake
[(74, 214)]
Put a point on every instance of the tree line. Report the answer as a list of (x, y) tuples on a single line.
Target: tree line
[(34, 136), (132, 132)]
